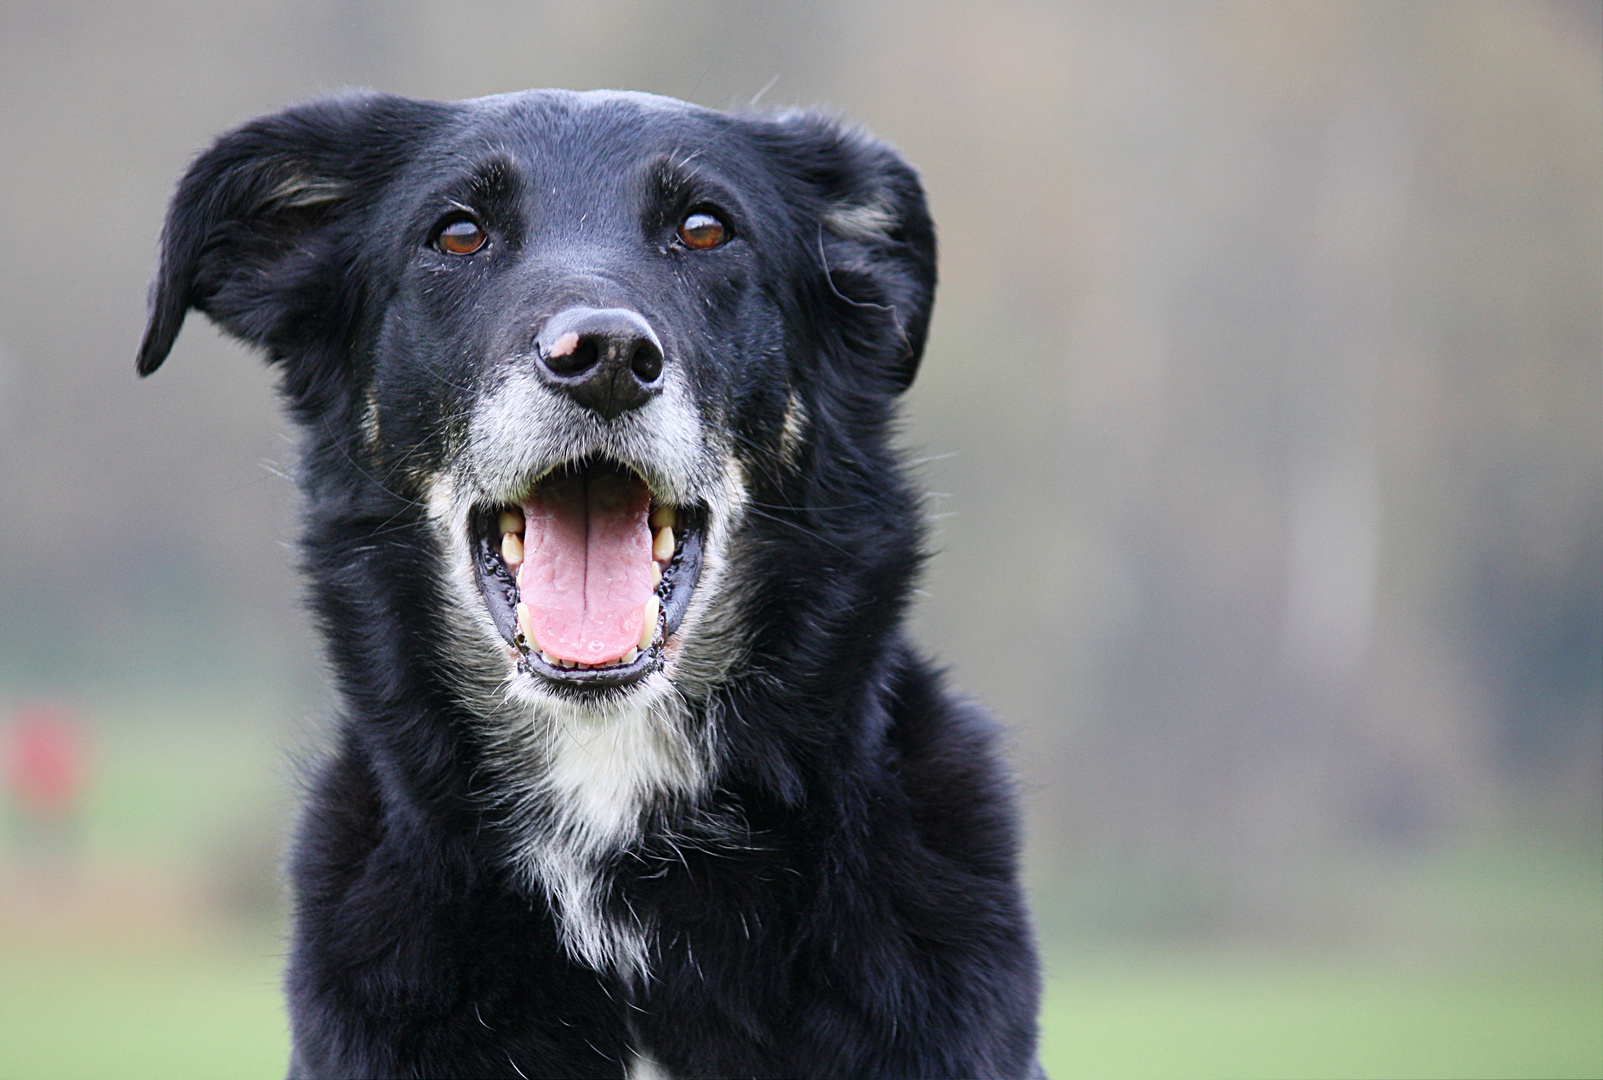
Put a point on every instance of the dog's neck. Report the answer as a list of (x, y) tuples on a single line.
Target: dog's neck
[(597, 783)]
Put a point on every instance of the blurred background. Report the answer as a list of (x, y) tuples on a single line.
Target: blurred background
[(1262, 426)]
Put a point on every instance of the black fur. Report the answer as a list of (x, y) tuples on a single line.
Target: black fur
[(862, 914)]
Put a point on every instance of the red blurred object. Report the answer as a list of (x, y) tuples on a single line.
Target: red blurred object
[(45, 767)]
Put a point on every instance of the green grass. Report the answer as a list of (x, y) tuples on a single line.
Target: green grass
[(212, 1014), (215, 1013), (1285, 1016)]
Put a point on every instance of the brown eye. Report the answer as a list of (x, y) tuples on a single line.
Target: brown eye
[(701, 231), (462, 237)]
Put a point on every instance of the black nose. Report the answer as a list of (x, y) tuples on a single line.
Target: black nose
[(607, 360)]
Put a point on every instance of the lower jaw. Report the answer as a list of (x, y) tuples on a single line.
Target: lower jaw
[(599, 677)]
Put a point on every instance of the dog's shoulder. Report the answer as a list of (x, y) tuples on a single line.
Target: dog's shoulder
[(413, 953)]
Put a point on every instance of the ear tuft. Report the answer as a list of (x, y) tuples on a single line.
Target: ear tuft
[(300, 190), (874, 220)]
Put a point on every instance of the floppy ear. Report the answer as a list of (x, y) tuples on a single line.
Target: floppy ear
[(255, 237), (869, 238)]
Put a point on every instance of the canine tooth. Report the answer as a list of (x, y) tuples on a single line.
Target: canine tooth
[(548, 658), (511, 550), (662, 545), (663, 517), (526, 624), (648, 622), (511, 521), (629, 657)]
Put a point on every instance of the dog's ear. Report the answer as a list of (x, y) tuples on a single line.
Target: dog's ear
[(869, 237), (255, 237)]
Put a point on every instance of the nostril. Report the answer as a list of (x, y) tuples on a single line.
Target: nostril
[(646, 362), (571, 354)]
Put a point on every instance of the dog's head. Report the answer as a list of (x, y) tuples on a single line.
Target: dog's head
[(547, 347)]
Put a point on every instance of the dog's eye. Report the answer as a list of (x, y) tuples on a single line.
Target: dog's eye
[(460, 237), (700, 231)]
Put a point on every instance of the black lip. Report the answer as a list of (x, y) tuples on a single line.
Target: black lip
[(500, 594)]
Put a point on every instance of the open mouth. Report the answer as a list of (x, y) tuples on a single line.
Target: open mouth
[(588, 575)]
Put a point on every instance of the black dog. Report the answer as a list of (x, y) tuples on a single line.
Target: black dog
[(637, 773)]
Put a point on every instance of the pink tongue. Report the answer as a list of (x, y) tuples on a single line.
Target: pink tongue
[(586, 570)]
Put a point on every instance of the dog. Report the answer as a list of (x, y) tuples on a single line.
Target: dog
[(636, 772)]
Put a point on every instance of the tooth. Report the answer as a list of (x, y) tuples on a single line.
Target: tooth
[(662, 545), (511, 550), (511, 521), (629, 657), (656, 573), (548, 658), (526, 624), (663, 517), (648, 622)]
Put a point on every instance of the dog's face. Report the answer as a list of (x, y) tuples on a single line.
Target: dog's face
[(578, 291), (572, 337)]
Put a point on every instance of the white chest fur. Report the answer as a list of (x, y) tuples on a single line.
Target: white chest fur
[(598, 779)]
